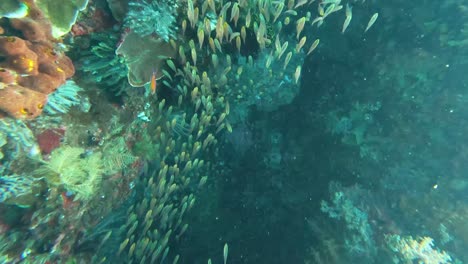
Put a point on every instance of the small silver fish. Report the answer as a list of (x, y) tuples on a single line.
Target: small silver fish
[(313, 46), (300, 3), (287, 59), (300, 26), (349, 16), (225, 252), (248, 19), (297, 74), (301, 44), (371, 21), (201, 36)]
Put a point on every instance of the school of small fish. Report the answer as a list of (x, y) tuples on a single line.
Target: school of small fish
[(218, 24), (222, 42)]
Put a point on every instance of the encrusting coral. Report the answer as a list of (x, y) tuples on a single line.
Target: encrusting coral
[(32, 66)]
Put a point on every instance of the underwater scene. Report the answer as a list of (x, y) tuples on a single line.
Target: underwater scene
[(233, 131)]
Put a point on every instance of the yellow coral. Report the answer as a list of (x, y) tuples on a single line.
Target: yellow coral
[(78, 171)]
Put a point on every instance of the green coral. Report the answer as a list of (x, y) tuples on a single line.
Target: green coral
[(13, 9), (61, 15)]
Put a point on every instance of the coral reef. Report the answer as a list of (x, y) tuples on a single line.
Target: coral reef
[(137, 177), (33, 65)]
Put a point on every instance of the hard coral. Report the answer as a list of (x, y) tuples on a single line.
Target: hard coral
[(31, 66)]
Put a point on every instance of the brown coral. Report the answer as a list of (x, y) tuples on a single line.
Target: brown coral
[(31, 67), (144, 55)]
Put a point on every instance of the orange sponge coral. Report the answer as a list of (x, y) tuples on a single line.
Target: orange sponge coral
[(21, 102), (31, 67)]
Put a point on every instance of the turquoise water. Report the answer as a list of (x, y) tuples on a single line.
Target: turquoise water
[(248, 131)]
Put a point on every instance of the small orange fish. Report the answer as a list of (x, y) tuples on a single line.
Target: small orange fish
[(153, 83)]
